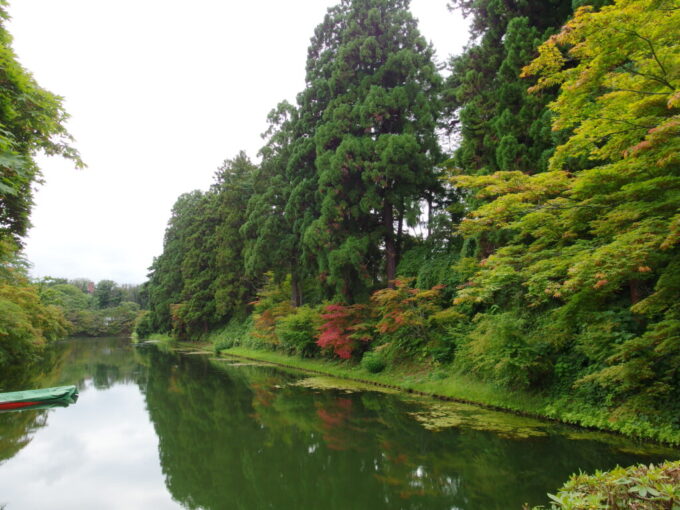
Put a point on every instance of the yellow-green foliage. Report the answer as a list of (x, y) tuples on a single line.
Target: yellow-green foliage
[(593, 243), (272, 303), (26, 324), (298, 331)]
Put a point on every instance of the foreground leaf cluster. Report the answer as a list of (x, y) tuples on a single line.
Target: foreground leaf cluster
[(637, 487)]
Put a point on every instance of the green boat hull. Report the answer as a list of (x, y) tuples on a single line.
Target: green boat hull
[(42, 398)]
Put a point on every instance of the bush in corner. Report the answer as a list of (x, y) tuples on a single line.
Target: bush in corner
[(298, 331), (373, 362), (641, 487)]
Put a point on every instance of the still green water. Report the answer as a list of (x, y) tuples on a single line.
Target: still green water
[(161, 430)]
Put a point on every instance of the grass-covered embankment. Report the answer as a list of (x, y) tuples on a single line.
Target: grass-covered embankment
[(460, 387)]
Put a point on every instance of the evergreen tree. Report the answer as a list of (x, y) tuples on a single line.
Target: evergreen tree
[(107, 294), (165, 283), (199, 280), (375, 142), (500, 126), (232, 288), (272, 241), (195, 313)]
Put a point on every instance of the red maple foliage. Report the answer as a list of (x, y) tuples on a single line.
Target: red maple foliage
[(343, 329)]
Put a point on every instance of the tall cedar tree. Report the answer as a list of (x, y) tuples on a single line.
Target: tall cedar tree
[(232, 288), (271, 231), (375, 142), (164, 287), (285, 200), (195, 314), (304, 201), (499, 125)]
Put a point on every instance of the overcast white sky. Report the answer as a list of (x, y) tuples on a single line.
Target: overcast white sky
[(160, 92)]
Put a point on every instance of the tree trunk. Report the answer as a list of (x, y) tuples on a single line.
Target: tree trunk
[(486, 247), (295, 290), (390, 245), (637, 294), (400, 236), (429, 215), (636, 291)]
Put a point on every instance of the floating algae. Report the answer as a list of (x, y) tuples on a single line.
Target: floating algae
[(618, 442), (247, 364), (231, 362), (346, 385), (442, 415)]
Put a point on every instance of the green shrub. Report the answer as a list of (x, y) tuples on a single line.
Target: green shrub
[(374, 362), (298, 331), (500, 350), (235, 333), (640, 487), (143, 325)]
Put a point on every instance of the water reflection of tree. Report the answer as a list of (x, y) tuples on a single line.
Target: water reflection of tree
[(245, 438), (16, 431), (104, 361), (17, 428)]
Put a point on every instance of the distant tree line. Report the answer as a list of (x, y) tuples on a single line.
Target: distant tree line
[(104, 309)]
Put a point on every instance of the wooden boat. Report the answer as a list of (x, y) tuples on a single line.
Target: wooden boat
[(46, 397)]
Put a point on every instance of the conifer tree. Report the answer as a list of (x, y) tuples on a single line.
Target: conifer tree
[(500, 126), (231, 287), (375, 141), (165, 283), (272, 238)]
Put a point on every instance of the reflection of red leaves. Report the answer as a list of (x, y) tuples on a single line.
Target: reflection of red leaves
[(407, 494), (330, 419), (389, 480), (263, 395), (334, 423), (400, 459), (344, 403)]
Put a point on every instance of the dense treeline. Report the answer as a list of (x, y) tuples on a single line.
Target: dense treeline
[(104, 309), (542, 254)]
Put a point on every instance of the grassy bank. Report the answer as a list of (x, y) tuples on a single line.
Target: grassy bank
[(459, 387)]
